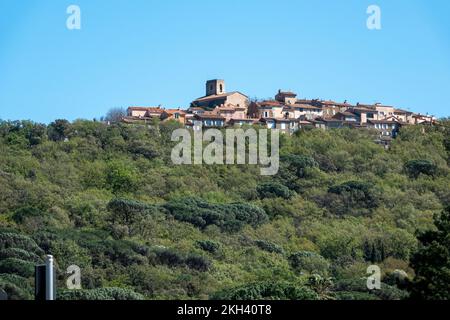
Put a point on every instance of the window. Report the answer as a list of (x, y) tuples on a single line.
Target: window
[(221, 88), (283, 125), (177, 116)]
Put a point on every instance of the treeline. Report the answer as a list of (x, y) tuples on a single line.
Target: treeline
[(108, 199)]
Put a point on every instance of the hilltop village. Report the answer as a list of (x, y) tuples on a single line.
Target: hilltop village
[(219, 108)]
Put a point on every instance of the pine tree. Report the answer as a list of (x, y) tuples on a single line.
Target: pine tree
[(432, 262)]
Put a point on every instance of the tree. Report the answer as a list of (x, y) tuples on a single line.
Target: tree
[(416, 167), (309, 262), (121, 177), (59, 130), (115, 115), (273, 190), (431, 262)]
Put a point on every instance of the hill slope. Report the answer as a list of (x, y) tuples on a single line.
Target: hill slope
[(108, 199)]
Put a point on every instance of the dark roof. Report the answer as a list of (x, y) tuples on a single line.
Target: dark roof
[(304, 106), (287, 93), (402, 111), (209, 116)]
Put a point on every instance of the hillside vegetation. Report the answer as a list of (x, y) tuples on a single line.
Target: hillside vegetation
[(109, 199)]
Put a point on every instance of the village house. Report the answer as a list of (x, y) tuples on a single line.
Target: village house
[(388, 127), (286, 97), (347, 116), (174, 114), (231, 112), (384, 111), (285, 106), (208, 120), (404, 115), (330, 108), (216, 95), (145, 112), (423, 119), (266, 109), (307, 112)]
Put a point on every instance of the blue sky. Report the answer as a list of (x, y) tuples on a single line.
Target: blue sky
[(148, 52)]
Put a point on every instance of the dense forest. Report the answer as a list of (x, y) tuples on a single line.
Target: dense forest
[(108, 199)]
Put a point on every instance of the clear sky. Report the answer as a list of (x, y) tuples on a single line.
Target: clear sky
[(151, 52)]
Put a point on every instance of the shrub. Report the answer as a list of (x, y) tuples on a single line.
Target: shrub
[(358, 286), (172, 259), (416, 167), (208, 245), (128, 211), (299, 163), (309, 262), (169, 257), (273, 190), (100, 294), (16, 287), (267, 291), (17, 266), (198, 263), (20, 254), (229, 217), (121, 177), (14, 240), (21, 214), (352, 197), (269, 246)]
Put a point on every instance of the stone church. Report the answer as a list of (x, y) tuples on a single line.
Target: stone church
[(216, 96)]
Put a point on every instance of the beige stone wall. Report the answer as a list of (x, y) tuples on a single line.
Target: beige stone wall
[(137, 113), (363, 118), (238, 100), (277, 112), (240, 114), (384, 112)]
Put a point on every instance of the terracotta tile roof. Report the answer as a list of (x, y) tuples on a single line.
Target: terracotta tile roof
[(334, 103), (148, 109), (218, 96), (172, 111), (271, 103)]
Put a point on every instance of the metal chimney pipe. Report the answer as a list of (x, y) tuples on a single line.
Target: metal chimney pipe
[(49, 278)]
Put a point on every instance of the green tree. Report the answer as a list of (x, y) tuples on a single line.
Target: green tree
[(431, 262)]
